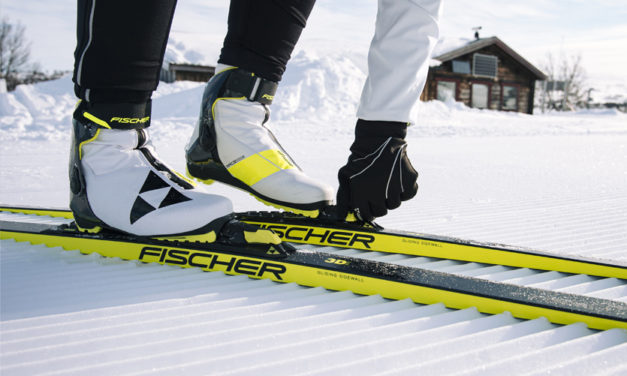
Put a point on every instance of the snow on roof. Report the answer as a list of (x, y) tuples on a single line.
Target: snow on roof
[(453, 49), (178, 53), (448, 44)]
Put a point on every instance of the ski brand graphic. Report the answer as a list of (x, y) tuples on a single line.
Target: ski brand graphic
[(317, 233), (321, 269), (310, 235), (211, 261), (155, 193)]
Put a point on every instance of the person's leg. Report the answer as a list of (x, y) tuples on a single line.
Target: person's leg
[(120, 48), (378, 174), (406, 33), (231, 143), (116, 179), (262, 34)]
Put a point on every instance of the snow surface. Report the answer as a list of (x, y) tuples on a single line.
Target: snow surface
[(117, 317), (555, 182)]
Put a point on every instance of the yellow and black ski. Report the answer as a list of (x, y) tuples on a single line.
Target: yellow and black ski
[(325, 231), (315, 268)]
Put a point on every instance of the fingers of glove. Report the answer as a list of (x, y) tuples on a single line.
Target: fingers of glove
[(409, 192), (360, 205), (342, 202), (343, 192), (393, 202), (394, 185), (407, 169), (378, 209), (363, 214), (343, 195), (409, 178)]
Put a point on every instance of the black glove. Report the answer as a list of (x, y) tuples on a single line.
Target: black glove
[(378, 174)]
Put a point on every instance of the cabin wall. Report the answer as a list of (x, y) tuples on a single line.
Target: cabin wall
[(511, 76)]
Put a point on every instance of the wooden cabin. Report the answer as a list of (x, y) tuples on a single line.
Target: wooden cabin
[(485, 73), (186, 72)]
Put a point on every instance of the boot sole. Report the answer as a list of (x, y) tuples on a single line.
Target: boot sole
[(204, 234), (220, 174)]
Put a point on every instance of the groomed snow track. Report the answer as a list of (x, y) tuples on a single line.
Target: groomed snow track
[(68, 314)]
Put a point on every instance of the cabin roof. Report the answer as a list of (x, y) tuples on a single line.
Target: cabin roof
[(481, 43)]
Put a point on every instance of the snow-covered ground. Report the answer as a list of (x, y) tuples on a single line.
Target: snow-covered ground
[(555, 182)]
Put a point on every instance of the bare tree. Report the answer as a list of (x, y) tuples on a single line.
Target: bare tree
[(565, 87), (14, 51)]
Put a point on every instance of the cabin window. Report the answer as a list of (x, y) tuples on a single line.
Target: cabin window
[(484, 65), (446, 90), (510, 98), (480, 94), (460, 66)]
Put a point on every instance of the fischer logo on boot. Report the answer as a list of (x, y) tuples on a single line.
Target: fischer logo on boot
[(155, 194), (122, 120)]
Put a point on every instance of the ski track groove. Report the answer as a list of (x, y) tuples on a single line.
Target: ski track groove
[(547, 204), (292, 321), (224, 341), (600, 362), (559, 223), (556, 353), (508, 348), (135, 318), (440, 346), (222, 361)]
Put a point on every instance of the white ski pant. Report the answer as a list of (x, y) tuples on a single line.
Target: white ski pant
[(406, 32)]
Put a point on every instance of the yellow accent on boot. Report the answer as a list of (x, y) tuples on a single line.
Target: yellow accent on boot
[(96, 120), (262, 236), (208, 237), (80, 146), (226, 69), (256, 167), (189, 180)]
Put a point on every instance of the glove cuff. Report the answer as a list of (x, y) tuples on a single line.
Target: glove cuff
[(380, 129)]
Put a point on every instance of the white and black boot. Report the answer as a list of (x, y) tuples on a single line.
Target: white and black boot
[(232, 145), (118, 183)]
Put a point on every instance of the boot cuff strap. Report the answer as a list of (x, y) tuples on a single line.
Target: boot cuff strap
[(241, 83), (115, 115)]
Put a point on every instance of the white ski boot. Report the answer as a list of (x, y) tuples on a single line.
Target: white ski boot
[(231, 145), (117, 181)]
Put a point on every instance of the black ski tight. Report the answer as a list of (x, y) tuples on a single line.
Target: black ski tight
[(121, 43)]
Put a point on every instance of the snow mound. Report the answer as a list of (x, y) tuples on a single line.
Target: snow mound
[(178, 52), (39, 111), (318, 97), (319, 88), (9, 106)]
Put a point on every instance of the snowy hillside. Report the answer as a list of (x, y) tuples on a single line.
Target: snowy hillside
[(555, 182), (317, 89)]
